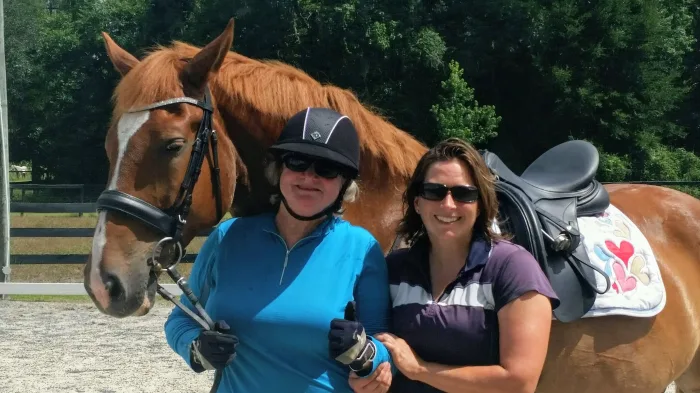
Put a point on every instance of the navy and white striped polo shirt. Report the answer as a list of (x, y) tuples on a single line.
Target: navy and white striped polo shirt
[(461, 327)]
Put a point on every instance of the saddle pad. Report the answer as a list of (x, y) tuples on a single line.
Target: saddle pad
[(615, 245)]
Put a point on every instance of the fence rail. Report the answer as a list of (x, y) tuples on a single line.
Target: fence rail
[(49, 288), (658, 182), (30, 288), (34, 207), (7, 288), (23, 187)]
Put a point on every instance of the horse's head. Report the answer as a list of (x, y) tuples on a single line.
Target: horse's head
[(162, 187)]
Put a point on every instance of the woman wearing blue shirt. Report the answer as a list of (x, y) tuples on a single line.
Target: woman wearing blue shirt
[(284, 282)]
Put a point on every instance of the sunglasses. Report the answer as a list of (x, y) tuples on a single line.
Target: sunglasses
[(323, 168), (438, 192)]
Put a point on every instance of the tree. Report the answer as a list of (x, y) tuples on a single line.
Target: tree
[(689, 113), (23, 19), (63, 111), (622, 74), (459, 115)]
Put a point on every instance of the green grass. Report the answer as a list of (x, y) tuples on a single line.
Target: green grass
[(51, 298), (17, 178)]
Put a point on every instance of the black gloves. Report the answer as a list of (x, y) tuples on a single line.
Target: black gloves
[(215, 349), (349, 344)]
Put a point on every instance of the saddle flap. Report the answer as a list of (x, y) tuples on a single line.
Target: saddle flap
[(568, 277)]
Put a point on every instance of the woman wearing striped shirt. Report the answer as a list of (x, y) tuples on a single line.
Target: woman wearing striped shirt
[(471, 310)]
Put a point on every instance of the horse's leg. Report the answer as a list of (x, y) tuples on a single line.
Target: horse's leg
[(639, 355)]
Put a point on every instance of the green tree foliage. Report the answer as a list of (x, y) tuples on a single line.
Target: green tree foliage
[(166, 20), (23, 20), (459, 115), (68, 95), (613, 168), (689, 113), (623, 74)]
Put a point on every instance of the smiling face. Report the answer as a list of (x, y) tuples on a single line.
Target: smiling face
[(448, 218), (306, 192)]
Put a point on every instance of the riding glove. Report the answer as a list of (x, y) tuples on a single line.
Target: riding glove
[(214, 349), (349, 344)]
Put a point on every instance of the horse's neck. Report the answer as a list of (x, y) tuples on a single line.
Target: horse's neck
[(245, 129), (252, 128), (246, 121)]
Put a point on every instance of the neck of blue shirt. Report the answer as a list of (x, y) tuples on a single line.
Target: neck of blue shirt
[(293, 230)]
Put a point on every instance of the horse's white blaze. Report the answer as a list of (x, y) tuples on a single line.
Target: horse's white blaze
[(128, 125), (98, 243)]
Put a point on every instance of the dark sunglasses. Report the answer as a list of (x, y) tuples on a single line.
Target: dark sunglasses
[(438, 192), (323, 168)]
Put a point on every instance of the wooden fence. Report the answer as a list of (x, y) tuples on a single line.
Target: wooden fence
[(79, 209), (48, 259)]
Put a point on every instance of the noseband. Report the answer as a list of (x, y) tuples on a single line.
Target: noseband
[(170, 222)]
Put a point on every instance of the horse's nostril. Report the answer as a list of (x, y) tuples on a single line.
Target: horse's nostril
[(114, 287)]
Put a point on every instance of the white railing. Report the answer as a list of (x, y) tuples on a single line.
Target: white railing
[(45, 288)]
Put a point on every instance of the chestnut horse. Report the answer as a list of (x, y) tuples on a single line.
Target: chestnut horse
[(149, 151)]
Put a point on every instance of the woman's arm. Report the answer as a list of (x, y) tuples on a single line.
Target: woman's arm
[(180, 329), (372, 299), (524, 336)]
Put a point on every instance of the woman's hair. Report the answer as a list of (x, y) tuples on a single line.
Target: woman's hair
[(273, 170), (411, 226)]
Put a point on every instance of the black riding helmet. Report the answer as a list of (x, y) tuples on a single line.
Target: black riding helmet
[(326, 134)]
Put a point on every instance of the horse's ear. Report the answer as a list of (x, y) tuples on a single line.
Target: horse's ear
[(122, 60), (209, 59)]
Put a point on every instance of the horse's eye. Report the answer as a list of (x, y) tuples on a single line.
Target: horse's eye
[(175, 145)]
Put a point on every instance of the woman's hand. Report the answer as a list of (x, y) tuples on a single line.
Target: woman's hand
[(377, 382), (403, 356)]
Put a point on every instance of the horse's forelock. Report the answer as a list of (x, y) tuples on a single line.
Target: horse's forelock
[(155, 78)]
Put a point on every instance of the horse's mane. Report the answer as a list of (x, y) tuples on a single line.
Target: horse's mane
[(274, 91)]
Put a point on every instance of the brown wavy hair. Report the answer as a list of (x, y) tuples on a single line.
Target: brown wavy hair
[(411, 226)]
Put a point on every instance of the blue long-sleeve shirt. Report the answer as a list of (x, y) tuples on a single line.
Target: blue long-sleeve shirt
[(279, 301)]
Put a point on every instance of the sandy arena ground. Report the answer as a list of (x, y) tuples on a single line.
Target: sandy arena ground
[(72, 347)]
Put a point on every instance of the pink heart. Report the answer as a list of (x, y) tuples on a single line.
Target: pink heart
[(624, 252), (625, 283), (614, 286)]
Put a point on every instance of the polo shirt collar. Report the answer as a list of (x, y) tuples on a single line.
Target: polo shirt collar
[(479, 252)]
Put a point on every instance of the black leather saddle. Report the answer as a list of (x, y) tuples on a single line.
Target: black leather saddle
[(540, 209)]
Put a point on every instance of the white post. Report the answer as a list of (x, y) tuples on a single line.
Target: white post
[(4, 161)]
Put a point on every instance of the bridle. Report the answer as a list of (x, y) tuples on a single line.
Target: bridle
[(170, 222)]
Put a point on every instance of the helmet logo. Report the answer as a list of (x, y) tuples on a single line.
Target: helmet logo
[(315, 135)]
